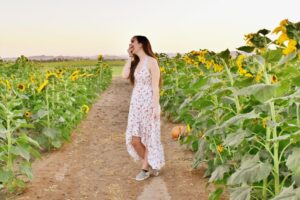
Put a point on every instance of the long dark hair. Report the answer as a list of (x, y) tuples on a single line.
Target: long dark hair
[(148, 50)]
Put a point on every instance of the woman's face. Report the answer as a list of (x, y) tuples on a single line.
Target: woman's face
[(136, 47)]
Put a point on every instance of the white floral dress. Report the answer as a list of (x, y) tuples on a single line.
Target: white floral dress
[(140, 119)]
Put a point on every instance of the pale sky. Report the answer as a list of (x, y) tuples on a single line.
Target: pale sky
[(90, 27)]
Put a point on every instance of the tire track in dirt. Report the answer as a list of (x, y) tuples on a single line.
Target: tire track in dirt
[(95, 163)]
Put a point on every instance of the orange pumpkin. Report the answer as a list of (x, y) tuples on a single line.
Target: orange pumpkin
[(176, 131)]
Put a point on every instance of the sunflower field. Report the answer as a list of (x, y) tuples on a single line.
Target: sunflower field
[(38, 110), (242, 112)]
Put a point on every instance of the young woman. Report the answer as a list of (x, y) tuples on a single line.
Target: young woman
[(143, 127)]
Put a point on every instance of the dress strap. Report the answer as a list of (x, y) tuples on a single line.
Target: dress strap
[(146, 59), (145, 62)]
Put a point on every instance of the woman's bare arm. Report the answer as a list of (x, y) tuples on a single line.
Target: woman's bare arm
[(126, 68), (155, 74)]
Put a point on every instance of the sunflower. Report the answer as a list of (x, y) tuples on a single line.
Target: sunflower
[(264, 123), (32, 78), (220, 148), (42, 86), (2, 82), (75, 72), (284, 22), (218, 67), (259, 76), (240, 59), (88, 75), (248, 38), (59, 73), (291, 47), (281, 28), (273, 79), (85, 109), (162, 70), (82, 75), (21, 87), (100, 58), (201, 73), (105, 65), (187, 60), (51, 74), (248, 75), (74, 77), (201, 134), (201, 59), (239, 62), (282, 38), (188, 128), (208, 64), (8, 85), (27, 114), (161, 93)]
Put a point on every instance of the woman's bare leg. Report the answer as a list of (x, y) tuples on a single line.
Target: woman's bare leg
[(141, 151), (138, 146), (145, 161)]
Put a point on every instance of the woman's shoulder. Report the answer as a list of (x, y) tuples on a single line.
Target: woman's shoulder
[(152, 61), (150, 58)]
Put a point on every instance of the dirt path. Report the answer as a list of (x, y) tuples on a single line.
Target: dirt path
[(96, 165)]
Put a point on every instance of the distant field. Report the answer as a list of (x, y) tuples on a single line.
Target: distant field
[(115, 64)]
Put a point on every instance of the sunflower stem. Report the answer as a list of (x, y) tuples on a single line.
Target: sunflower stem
[(236, 98)]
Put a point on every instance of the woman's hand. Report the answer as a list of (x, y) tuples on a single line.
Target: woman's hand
[(126, 68), (130, 49), (156, 113)]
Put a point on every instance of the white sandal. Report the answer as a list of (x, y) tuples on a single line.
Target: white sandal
[(154, 172)]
